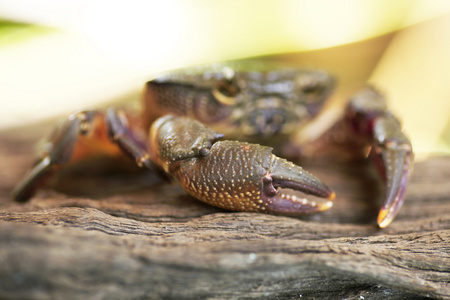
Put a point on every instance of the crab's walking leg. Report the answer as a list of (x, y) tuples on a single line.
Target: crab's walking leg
[(119, 132), (57, 151), (391, 149), (83, 134)]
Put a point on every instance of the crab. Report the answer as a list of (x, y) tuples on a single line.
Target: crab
[(186, 115)]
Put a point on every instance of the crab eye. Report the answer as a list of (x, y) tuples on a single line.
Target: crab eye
[(314, 82), (226, 91), (309, 84)]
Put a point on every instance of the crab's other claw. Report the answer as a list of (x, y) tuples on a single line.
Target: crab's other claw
[(391, 150), (236, 175), (395, 153)]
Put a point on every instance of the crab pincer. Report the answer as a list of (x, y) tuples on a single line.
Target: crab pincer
[(391, 150), (234, 175), (395, 155)]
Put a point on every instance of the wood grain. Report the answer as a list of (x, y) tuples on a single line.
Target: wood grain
[(157, 242)]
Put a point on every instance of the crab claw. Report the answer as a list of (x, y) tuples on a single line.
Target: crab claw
[(248, 177), (286, 175), (393, 152)]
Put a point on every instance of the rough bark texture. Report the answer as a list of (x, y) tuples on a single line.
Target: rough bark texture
[(160, 243)]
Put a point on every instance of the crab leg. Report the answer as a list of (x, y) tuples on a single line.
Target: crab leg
[(391, 150), (82, 135), (120, 132), (59, 151), (234, 175)]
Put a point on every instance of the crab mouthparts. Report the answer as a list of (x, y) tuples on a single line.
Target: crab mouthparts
[(282, 183)]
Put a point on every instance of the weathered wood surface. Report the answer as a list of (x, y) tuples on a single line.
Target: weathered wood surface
[(160, 243)]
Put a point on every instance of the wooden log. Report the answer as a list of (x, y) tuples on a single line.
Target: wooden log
[(160, 243)]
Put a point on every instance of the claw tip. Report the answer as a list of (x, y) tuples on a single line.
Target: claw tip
[(383, 218), (323, 206), (326, 205), (331, 196)]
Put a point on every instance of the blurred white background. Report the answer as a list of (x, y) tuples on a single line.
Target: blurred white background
[(81, 54)]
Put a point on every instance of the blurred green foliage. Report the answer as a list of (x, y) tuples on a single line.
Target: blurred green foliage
[(14, 32)]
